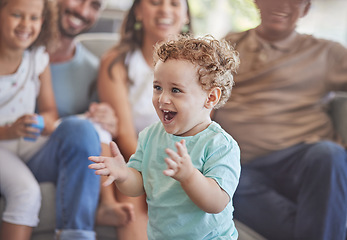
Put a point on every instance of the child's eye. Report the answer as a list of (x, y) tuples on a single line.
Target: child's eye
[(176, 90), (155, 2), (35, 18), (157, 88), (16, 15)]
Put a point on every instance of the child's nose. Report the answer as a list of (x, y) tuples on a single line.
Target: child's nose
[(25, 21), (164, 98)]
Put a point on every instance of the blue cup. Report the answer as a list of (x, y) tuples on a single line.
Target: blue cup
[(39, 125)]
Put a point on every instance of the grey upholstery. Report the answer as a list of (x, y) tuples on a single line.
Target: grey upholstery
[(98, 43), (338, 112)]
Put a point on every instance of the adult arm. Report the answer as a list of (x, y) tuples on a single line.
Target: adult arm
[(114, 91)]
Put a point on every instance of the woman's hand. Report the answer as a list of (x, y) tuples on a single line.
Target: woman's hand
[(103, 114)]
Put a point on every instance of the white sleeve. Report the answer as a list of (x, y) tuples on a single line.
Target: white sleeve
[(41, 59)]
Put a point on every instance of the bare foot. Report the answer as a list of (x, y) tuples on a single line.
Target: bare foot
[(117, 214)]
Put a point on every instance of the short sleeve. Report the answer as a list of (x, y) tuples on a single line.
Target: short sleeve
[(223, 163), (136, 159), (41, 59)]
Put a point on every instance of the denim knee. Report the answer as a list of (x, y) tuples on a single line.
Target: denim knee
[(79, 134), (327, 153)]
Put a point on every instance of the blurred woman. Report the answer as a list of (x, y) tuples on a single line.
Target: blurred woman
[(126, 76)]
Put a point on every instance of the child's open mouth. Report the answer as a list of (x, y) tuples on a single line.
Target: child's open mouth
[(168, 116)]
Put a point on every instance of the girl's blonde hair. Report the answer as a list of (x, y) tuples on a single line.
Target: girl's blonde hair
[(216, 61), (49, 31)]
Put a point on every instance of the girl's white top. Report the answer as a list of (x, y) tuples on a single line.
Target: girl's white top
[(18, 91), (140, 90)]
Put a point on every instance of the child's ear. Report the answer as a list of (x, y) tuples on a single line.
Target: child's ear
[(213, 97)]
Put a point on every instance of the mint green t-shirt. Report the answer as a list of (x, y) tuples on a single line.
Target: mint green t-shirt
[(172, 215)]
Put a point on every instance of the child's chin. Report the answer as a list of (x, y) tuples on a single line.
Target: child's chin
[(169, 130)]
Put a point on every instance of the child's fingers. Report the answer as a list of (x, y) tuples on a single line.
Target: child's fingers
[(102, 172), (169, 172), (96, 166), (172, 154), (114, 149), (181, 148), (96, 159), (171, 167), (108, 181), (171, 163)]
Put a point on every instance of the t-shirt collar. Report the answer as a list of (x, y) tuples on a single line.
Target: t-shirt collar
[(284, 45)]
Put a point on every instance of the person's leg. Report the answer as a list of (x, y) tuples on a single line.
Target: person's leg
[(22, 195), (10, 231), (258, 205), (64, 161), (136, 229), (322, 197), (110, 211), (286, 193)]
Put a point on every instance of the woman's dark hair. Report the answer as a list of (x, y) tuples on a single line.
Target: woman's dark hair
[(131, 38)]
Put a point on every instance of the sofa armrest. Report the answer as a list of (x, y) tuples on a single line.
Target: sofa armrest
[(338, 113), (98, 43)]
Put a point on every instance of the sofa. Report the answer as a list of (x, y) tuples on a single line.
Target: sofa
[(99, 43), (45, 229)]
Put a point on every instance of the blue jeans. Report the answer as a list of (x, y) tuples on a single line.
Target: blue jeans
[(63, 160), (296, 193)]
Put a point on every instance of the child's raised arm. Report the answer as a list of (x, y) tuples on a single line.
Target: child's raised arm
[(203, 191), (128, 180)]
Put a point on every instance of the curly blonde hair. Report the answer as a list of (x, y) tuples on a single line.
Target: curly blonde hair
[(217, 61), (49, 31)]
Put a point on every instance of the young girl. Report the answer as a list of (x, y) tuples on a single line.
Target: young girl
[(189, 192), (27, 27)]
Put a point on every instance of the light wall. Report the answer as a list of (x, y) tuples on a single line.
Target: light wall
[(326, 19)]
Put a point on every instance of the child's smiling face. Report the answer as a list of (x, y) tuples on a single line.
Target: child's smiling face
[(21, 23), (179, 99)]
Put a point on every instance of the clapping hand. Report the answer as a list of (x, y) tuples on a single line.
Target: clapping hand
[(113, 167), (179, 164)]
